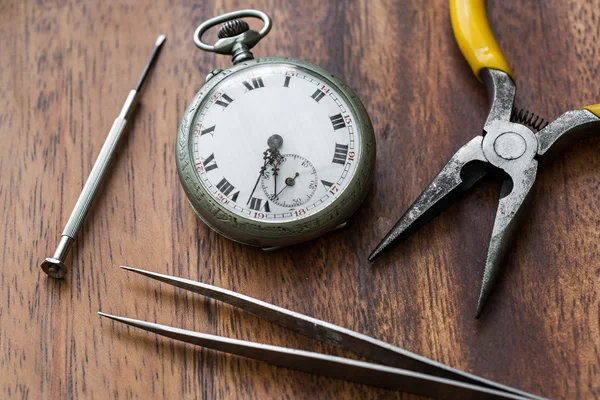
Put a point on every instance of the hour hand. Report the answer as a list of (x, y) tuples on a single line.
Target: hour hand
[(269, 156), (276, 164)]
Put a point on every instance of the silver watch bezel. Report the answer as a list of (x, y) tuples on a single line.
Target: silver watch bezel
[(269, 234)]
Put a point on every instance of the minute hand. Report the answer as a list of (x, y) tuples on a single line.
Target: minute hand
[(261, 173)]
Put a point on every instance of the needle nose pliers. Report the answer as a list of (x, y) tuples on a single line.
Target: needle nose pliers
[(505, 149)]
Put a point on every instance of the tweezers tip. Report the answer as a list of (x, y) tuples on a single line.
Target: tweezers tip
[(127, 321), (103, 314), (136, 270), (149, 274)]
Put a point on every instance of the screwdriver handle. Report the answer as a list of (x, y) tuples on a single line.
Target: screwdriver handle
[(55, 266), (98, 171), (475, 38), (93, 182)]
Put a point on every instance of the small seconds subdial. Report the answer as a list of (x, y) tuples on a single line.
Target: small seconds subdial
[(292, 182)]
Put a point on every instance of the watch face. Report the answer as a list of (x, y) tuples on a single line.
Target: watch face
[(275, 143)]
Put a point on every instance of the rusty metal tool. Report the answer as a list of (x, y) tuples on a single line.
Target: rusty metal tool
[(392, 367), (55, 266), (506, 148)]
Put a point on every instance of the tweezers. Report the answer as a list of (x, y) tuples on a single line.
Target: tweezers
[(392, 367)]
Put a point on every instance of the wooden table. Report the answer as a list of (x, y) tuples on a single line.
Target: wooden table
[(66, 68)]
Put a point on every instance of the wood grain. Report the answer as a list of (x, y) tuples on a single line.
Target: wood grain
[(66, 68)]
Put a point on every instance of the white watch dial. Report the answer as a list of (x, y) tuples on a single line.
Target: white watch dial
[(275, 143)]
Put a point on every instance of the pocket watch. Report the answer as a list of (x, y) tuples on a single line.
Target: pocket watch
[(272, 151)]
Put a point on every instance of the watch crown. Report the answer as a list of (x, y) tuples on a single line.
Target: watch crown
[(233, 28)]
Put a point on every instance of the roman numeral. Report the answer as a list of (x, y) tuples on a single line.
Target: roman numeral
[(210, 163), (225, 101), (338, 122), (226, 188), (287, 81), (339, 156), (317, 95), (208, 130), (256, 83), (256, 204), (328, 185)]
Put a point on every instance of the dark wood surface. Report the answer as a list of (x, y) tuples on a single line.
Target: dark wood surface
[(66, 69)]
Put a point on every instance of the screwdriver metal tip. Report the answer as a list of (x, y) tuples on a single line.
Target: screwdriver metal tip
[(160, 39), (157, 46)]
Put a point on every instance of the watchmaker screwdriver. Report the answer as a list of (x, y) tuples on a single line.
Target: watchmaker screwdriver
[(55, 266)]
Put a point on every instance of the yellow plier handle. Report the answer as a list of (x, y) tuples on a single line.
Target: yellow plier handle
[(475, 38), (477, 43), (594, 109)]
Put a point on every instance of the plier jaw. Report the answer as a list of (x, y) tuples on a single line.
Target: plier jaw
[(446, 187), (509, 149)]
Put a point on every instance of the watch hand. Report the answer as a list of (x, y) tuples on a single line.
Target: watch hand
[(288, 182), (277, 195), (270, 155), (276, 172), (260, 174)]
